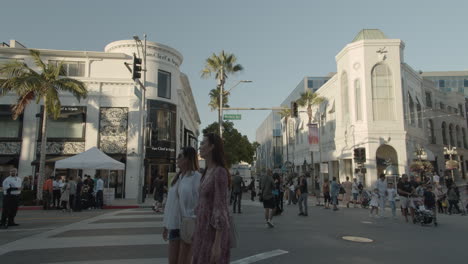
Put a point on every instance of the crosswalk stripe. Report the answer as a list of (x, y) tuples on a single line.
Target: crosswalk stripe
[(121, 261)]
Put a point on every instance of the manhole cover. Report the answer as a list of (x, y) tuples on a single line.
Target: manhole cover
[(357, 239)]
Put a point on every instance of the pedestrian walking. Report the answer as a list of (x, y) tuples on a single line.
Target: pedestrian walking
[(440, 197), (56, 192), (65, 196), (405, 191), (267, 186), (252, 189), (99, 192), (391, 195), (277, 194), (430, 201), (355, 191), (382, 185), (326, 194), (453, 199), (335, 191), (79, 190), (303, 197), (237, 184), (179, 212), (47, 193), (291, 194), (71, 200), (348, 186), (317, 191), (211, 243), (11, 192), (374, 203)]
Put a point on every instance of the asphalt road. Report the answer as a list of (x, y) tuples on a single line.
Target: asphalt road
[(134, 236)]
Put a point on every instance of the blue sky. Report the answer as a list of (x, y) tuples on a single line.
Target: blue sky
[(277, 42)]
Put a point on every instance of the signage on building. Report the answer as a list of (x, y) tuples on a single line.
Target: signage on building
[(162, 149), (324, 167), (313, 137), (232, 117)]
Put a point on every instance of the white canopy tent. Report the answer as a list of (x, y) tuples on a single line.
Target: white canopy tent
[(93, 158)]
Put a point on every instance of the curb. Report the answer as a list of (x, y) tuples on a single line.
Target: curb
[(106, 207)]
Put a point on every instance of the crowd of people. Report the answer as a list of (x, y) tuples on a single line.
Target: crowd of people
[(410, 194), (73, 194)]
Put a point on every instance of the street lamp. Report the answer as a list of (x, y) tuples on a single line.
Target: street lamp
[(142, 45), (450, 151), (221, 94), (421, 154)]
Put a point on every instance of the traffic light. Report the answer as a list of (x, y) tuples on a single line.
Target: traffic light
[(136, 70), (360, 155), (294, 111)]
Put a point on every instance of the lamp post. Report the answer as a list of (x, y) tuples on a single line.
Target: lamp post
[(221, 94), (419, 152), (142, 45), (451, 151)]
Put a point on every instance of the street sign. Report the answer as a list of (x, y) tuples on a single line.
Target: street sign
[(137, 92), (232, 117)]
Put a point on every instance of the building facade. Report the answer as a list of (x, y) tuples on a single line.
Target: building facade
[(378, 102), (109, 118)]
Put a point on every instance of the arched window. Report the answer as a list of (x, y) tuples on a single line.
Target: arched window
[(430, 131), (411, 109), (457, 133), (383, 103), (345, 95), (444, 133), (452, 142), (357, 94), (464, 138), (419, 113)]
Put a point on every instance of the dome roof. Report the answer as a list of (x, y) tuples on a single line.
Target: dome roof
[(367, 34)]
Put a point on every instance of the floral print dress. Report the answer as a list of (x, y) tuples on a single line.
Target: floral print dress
[(212, 215)]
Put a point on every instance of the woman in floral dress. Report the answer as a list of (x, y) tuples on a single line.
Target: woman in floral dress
[(211, 243)]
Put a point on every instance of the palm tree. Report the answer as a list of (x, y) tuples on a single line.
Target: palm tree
[(214, 101), (221, 65), (309, 99), (45, 85), (285, 113)]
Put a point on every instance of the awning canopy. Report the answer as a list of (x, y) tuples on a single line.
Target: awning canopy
[(93, 158)]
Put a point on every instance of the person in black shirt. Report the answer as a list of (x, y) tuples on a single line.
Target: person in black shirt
[(430, 201), (405, 191), (303, 197)]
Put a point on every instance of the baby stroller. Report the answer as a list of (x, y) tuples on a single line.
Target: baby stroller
[(423, 215), (365, 198)]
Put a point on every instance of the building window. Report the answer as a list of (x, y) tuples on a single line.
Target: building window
[(411, 108), (10, 128), (357, 91), (428, 99), (430, 131), (71, 68), (444, 133), (164, 84), (164, 128), (465, 83), (310, 84), (345, 95), (452, 141), (441, 83), (70, 124), (442, 106), (382, 93), (464, 138), (419, 109), (460, 109), (457, 133)]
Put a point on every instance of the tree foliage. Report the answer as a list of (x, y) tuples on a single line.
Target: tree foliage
[(237, 146)]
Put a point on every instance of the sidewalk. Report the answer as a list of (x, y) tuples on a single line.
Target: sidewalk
[(115, 204)]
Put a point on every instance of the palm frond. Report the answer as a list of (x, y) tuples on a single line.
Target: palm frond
[(36, 56), (21, 104), (76, 87)]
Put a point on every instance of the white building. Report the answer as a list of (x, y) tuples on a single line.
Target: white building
[(109, 117), (378, 102)]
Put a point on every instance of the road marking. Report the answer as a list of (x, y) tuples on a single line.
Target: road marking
[(51, 218), (357, 239), (27, 229), (120, 261), (261, 256), (367, 222)]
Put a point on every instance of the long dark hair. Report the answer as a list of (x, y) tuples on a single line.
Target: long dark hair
[(217, 154), (191, 154)]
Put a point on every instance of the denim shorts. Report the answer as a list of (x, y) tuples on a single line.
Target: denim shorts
[(355, 196), (174, 234)]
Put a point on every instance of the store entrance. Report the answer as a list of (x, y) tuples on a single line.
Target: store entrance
[(154, 171)]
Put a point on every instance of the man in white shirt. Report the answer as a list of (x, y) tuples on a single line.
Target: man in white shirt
[(11, 191), (381, 185), (355, 192), (99, 192)]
